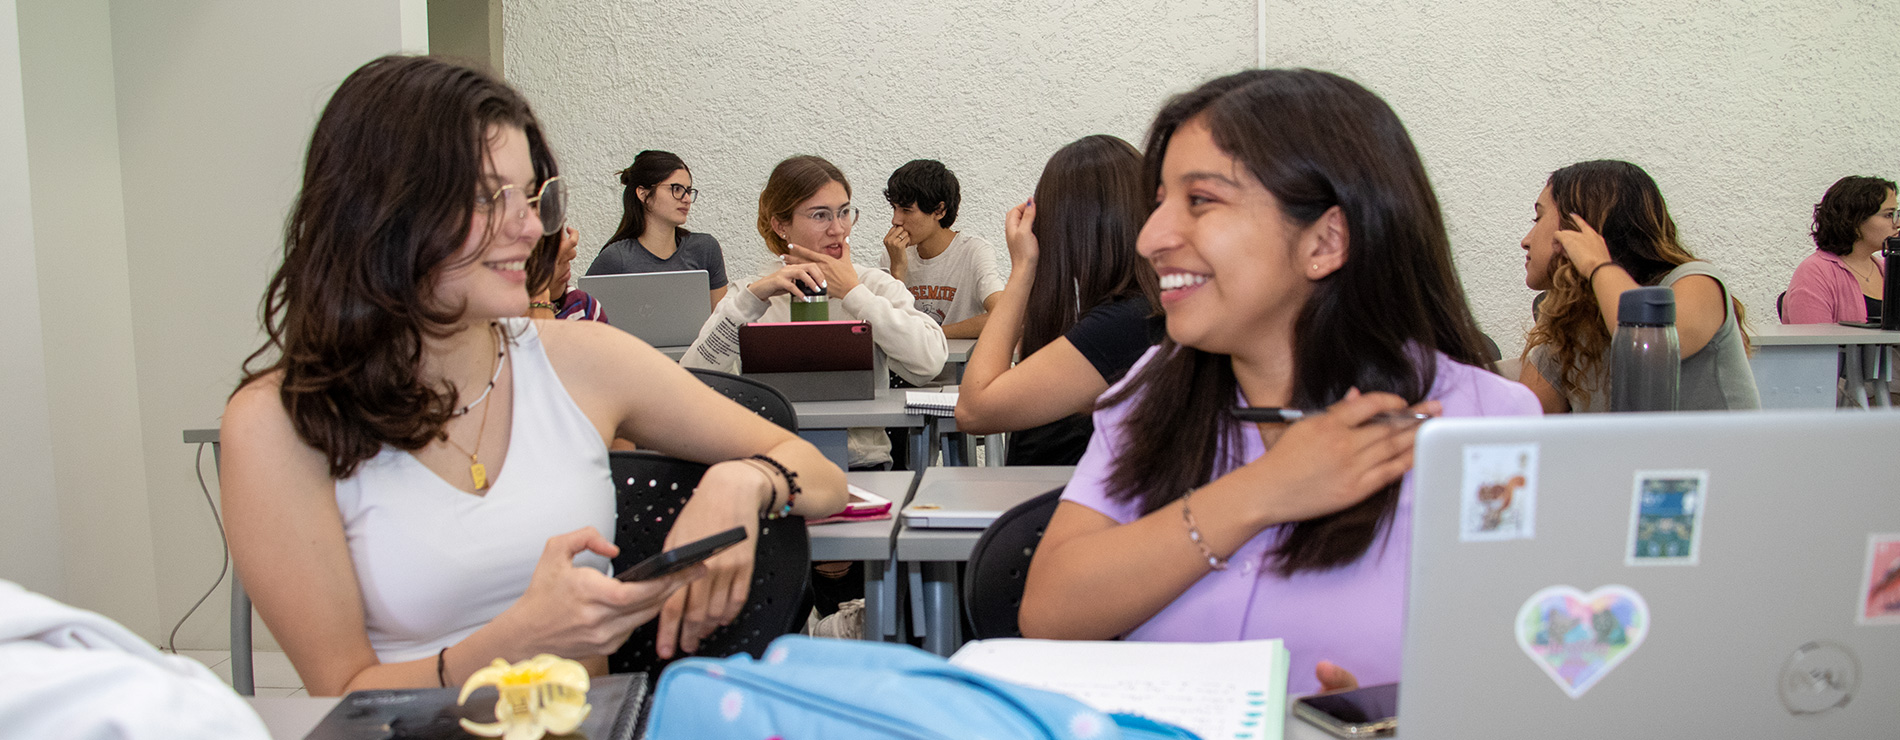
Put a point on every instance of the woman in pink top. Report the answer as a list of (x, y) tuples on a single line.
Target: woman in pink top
[(1844, 278), (1303, 264)]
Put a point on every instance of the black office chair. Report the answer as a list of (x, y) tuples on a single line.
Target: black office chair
[(993, 581), (1781, 304), (650, 490), (1491, 350), (762, 399)]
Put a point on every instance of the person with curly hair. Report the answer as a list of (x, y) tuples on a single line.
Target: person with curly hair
[(1602, 228), (1844, 279)]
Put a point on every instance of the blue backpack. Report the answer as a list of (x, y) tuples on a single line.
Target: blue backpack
[(823, 688)]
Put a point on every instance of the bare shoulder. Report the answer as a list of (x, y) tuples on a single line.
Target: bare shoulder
[(588, 347), (257, 406)]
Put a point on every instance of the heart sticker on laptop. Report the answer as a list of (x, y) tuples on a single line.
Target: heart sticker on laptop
[(1577, 638)]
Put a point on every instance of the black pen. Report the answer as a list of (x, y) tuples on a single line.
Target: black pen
[(1277, 415)]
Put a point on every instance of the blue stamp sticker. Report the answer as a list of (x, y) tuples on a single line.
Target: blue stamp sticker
[(1666, 517)]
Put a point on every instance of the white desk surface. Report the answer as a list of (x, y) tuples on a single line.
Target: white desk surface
[(291, 718), (960, 350), (863, 540), (915, 545), (1770, 335), (885, 409)]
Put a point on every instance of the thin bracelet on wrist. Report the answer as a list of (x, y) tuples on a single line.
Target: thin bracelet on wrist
[(441, 667), (1194, 533), (1591, 279)]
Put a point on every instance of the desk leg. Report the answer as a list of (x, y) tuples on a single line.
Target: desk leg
[(993, 451), (943, 614), (1856, 375), (241, 679), (1883, 372), (880, 601), (833, 443)]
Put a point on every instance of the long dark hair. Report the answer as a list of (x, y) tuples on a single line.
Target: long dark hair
[(1089, 208), (1624, 205), (1849, 202), (1315, 141), (389, 193), (649, 169)]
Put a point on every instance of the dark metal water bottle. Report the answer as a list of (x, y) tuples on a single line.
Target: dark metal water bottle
[(1889, 312), (1645, 358)]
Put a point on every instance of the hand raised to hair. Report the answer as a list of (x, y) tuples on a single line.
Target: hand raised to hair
[(1019, 234), (1584, 247)]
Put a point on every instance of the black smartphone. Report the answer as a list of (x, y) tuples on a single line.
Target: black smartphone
[(1371, 711), (682, 557)]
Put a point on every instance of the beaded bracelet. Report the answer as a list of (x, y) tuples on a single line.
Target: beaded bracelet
[(1194, 533), (546, 305), (791, 487)]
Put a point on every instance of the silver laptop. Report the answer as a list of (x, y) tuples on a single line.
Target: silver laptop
[(1718, 575), (972, 498), (664, 308)]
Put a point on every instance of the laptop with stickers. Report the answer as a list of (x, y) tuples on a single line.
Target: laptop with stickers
[(665, 309), (1647, 575)]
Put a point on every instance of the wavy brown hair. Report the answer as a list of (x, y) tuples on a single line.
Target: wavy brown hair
[(1316, 141), (1089, 209), (1849, 202), (389, 195), (1623, 203)]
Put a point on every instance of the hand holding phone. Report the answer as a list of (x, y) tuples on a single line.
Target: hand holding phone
[(682, 557), (1371, 711)]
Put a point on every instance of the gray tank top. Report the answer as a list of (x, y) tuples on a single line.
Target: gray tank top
[(1716, 378)]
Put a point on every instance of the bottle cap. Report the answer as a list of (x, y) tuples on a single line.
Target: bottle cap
[(1647, 306)]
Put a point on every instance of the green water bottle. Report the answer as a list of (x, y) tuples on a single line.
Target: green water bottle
[(815, 305)]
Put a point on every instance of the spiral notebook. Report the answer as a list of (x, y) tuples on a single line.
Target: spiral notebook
[(934, 403), (1226, 690)]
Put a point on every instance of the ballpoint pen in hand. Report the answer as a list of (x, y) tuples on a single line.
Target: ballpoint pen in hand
[(1277, 415)]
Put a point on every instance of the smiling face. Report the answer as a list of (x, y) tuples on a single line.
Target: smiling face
[(1875, 230), (1540, 245), (487, 277), (1229, 260), (921, 225), (824, 236), (663, 206)]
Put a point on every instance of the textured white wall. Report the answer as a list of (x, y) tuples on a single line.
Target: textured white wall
[(1743, 111), (991, 88)]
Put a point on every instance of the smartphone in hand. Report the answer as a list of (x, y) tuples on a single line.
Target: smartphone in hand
[(682, 557), (1371, 711)]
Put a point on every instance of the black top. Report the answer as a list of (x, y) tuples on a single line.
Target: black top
[(1873, 309), (1112, 337)]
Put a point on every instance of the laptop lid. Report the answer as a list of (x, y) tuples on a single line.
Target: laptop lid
[(666, 309), (972, 498), (1641, 575), (805, 346)]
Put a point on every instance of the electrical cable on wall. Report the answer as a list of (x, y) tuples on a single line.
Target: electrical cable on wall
[(224, 563)]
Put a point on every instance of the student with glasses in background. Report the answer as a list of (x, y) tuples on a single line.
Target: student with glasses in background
[(1845, 278), (416, 482), (652, 237), (805, 217)]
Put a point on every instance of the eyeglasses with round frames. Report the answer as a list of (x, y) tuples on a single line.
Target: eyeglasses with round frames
[(549, 202), (825, 216)]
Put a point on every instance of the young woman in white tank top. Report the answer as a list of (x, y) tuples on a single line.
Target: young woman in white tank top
[(417, 484)]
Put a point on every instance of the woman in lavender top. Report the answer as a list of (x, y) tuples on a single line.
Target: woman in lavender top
[(1304, 264)]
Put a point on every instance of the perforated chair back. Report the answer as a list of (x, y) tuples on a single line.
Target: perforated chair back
[(650, 490), (1781, 304), (760, 398), (993, 586)]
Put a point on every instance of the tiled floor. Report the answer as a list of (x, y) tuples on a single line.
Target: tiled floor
[(270, 671)]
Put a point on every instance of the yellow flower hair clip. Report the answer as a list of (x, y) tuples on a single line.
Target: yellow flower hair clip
[(543, 694)]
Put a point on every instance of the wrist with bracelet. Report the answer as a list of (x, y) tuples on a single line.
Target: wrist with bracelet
[(767, 466), (1194, 534), (546, 305)]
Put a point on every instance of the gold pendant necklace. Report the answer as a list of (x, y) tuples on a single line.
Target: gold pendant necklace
[(476, 471)]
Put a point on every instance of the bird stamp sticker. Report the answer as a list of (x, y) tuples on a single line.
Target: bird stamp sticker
[(1498, 500), (1666, 517), (1880, 583)]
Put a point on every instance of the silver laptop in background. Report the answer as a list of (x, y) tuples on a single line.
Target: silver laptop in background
[(666, 309), (1718, 575), (973, 497)]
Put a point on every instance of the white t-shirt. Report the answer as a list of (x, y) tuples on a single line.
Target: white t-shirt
[(952, 286)]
